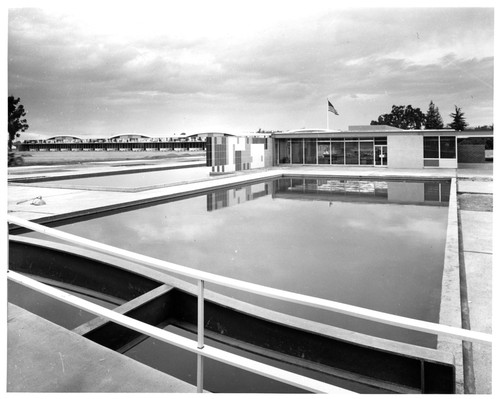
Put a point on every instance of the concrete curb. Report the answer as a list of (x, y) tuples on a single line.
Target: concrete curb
[(450, 310)]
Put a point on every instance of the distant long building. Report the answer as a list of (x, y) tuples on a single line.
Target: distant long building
[(121, 142)]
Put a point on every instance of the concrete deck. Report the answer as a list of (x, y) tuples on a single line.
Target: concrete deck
[(477, 231), (476, 225), (43, 357)]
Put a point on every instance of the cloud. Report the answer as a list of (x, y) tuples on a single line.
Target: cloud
[(196, 68)]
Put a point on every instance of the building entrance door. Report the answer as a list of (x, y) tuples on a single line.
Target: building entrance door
[(380, 155)]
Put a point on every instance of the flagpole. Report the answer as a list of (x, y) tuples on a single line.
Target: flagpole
[(331, 108), (327, 114)]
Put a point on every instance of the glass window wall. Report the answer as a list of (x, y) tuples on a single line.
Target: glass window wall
[(447, 147), (324, 152), (366, 153), (431, 147), (443, 147), (337, 152), (351, 153), (298, 151), (284, 151), (310, 151)]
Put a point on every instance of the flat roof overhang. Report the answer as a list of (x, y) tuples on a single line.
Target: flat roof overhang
[(379, 133), (327, 135), (474, 133)]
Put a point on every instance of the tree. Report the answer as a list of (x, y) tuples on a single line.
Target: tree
[(433, 118), (402, 117), (17, 122), (482, 127), (458, 122)]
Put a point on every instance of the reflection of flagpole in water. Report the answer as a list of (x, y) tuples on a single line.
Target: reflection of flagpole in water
[(330, 203)]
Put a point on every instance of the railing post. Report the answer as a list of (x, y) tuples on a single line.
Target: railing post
[(201, 335)]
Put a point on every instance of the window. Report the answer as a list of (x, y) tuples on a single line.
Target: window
[(443, 147), (447, 145), (431, 147), (337, 152), (366, 153), (310, 151), (352, 153), (324, 152), (297, 151), (284, 151)]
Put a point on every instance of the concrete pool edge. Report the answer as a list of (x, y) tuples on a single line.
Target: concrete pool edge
[(450, 307)]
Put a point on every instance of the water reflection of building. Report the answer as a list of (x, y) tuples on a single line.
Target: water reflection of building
[(429, 192), (235, 196), (347, 190), (334, 189)]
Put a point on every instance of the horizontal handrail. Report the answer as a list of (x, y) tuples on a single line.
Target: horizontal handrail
[(356, 311), (253, 366)]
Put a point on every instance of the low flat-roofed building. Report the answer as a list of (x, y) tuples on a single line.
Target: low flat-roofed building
[(372, 145)]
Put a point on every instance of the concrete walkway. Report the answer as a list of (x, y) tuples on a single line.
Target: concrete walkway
[(477, 231), (43, 357)]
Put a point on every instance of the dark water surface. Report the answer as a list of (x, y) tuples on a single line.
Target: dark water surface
[(373, 244)]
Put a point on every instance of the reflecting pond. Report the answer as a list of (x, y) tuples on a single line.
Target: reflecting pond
[(374, 244)]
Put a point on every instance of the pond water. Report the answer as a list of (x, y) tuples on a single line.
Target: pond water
[(374, 244), (222, 378)]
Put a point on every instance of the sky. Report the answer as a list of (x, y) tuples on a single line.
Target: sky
[(236, 66)]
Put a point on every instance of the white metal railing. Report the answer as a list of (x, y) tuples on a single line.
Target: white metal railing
[(202, 277), (181, 342)]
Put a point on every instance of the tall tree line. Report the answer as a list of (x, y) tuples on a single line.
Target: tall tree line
[(407, 117)]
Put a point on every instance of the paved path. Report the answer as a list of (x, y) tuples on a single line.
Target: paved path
[(43, 357), (477, 232)]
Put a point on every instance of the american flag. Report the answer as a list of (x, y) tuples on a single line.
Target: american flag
[(331, 108)]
